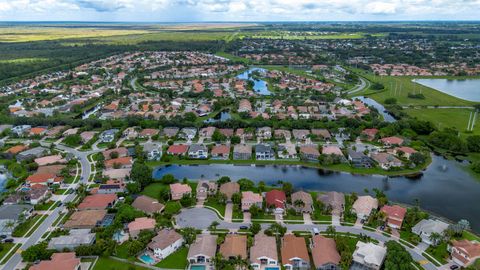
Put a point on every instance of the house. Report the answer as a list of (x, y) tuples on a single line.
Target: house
[(264, 152), (234, 246), (12, 214), (20, 130), (117, 174), (86, 219), (282, 133), (86, 136), (287, 151), (300, 134), (370, 133), (170, 132), (177, 149), (140, 224), (302, 202), (148, 133), (59, 261), (37, 131), (229, 188), (245, 106), (220, 151), (203, 250), (364, 206), (294, 253), (32, 153), (198, 151), (426, 227), (42, 161), (177, 191), (395, 215), (74, 239), (324, 133), (119, 163), (404, 151), (207, 132), (130, 133), (227, 132), (264, 133), (205, 188), (16, 149), (98, 202), (332, 150), (464, 252), (276, 200), (152, 150), (249, 199), (188, 133), (111, 187), (263, 253), (369, 256), (392, 141), (166, 242), (386, 160), (147, 205), (334, 200), (115, 153), (108, 136), (309, 152), (359, 159), (242, 152), (324, 253)]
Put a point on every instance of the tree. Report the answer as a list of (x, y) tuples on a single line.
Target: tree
[(255, 228), (141, 173), (277, 230), (287, 187), (254, 210), (390, 101), (223, 180), (168, 179), (331, 231), (246, 184), (237, 198), (235, 140), (417, 158), (473, 143), (398, 257), (435, 238), (189, 235), (213, 226), (37, 252), (217, 136)]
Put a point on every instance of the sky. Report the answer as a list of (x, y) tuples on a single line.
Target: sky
[(237, 10)]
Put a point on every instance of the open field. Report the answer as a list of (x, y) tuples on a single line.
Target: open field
[(399, 87), (308, 35), (442, 118)]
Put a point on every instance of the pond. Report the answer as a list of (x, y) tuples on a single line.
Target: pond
[(444, 188), (221, 117), (387, 117), (468, 89), (259, 86)]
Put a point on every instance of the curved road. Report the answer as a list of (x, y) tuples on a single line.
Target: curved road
[(201, 218), (359, 87)]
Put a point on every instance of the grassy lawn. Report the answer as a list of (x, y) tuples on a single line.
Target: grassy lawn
[(292, 217), (121, 251), (399, 87), (177, 260), (5, 248), (172, 207), (15, 248), (111, 264), (234, 57), (322, 218), (22, 228), (43, 217), (470, 236), (409, 236), (217, 205), (439, 252), (442, 118), (44, 206), (153, 190)]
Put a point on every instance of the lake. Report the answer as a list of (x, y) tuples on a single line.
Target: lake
[(445, 188), (220, 117), (259, 86), (387, 117), (468, 89)]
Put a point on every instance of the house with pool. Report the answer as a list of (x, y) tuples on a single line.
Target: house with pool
[(201, 253)]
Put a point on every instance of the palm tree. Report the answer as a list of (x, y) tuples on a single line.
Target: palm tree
[(331, 231), (435, 238)]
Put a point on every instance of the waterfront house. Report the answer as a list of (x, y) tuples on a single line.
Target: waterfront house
[(198, 151), (465, 252), (242, 152), (386, 160), (392, 141), (229, 188), (334, 200), (276, 201), (364, 206), (359, 159), (177, 149), (309, 152), (426, 227), (264, 152), (302, 202), (220, 151), (152, 150), (249, 199), (395, 215), (178, 191), (205, 189)]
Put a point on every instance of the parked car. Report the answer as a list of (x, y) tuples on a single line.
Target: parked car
[(243, 227), (9, 240), (453, 267)]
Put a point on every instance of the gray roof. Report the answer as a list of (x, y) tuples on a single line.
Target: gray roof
[(260, 148), (197, 147), (34, 151), (13, 211), (110, 132), (429, 226), (355, 154), (150, 146), (76, 238)]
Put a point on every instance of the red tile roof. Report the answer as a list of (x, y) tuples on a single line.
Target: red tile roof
[(276, 198), (177, 149), (97, 201)]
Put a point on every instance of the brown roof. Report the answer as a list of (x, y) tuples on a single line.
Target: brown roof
[(121, 151), (264, 246), (164, 238), (229, 189), (294, 247), (85, 219), (53, 169), (59, 261), (221, 149), (147, 205), (121, 161), (234, 245), (16, 149), (324, 251), (97, 201)]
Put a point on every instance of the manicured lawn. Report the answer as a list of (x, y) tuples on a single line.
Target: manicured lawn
[(217, 205), (43, 217), (22, 228), (470, 236), (443, 118), (44, 206), (409, 236), (15, 248), (292, 217), (111, 264), (172, 207), (322, 218), (5, 248), (153, 190), (439, 252), (177, 260)]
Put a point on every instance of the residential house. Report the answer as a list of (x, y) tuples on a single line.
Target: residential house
[(59, 261), (242, 152), (108, 136), (205, 188), (152, 150), (227, 132), (86, 136), (130, 133), (364, 206), (245, 106), (207, 132), (148, 133), (203, 250), (86, 219), (220, 151), (147, 205), (42, 161), (324, 253), (263, 253), (404, 151), (370, 133), (392, 141), (395, 215), (300, 134), (178, 191), (264, 133), (264, 152), (294, 253), (98, 202), (74, 239), (276, 200), (332, 150), (198, 151), (188, 133), (334, 200), (309, 152), (170, 132), (234, 246), (359, 159), (115, 153), (32, 153), (426, 227), (302, 202), (249, 199), (324, 133), (166, 242), (177, 149), (465, 252), (11, 215), (369, 256), (140, 224), (111, 187), (45, 179), (386, 160), (287, 151), (229, 188), (119, 163), (20, 130)]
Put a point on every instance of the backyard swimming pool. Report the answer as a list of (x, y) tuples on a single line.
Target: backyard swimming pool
[(198, 267), (147, 259)]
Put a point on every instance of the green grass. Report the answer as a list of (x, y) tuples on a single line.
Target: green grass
[(305, 35), (234, 57), (172, 207), (45, 206), (439, 252), (443, 118), (214, 204), (42, 219), (322, 218), (111, 264), (470, 236), (22, 228), (5, 248), (15, 248), (153, 190), (177, 260), (399, 87)]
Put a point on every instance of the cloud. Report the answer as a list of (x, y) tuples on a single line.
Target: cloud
[(102, 5), (381, 8)]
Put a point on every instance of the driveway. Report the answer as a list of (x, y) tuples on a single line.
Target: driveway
[(228, 211)]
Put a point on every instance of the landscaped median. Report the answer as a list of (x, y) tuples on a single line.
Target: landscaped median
[(7, 253)]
